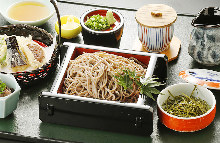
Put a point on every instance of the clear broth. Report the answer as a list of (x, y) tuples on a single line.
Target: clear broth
[(28, 11)]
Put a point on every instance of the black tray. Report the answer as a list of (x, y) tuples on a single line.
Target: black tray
[(100, 114)]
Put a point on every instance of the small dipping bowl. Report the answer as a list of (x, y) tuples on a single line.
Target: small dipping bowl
[(6, 5), (109, 37), (9, 103), (183, 124), (155, 26)]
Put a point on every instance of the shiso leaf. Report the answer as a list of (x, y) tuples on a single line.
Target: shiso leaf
[(146, 86)]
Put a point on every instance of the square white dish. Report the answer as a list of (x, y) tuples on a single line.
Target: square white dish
[(9, 103)]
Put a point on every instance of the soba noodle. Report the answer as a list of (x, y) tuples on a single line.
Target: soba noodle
[(92, 75)]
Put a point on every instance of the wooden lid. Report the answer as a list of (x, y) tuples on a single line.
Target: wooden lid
[(156, 15)]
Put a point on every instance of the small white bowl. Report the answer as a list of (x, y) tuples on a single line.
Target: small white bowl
[(9, 103), (5, 5), (183, 124)]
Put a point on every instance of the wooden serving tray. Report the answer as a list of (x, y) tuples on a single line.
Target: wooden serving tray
[(172, 52)]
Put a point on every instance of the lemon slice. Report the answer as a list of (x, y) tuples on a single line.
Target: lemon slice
[(70, 26)]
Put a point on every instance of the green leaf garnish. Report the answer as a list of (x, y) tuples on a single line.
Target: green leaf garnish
[(146, 86), (2, 87), (124, 80)]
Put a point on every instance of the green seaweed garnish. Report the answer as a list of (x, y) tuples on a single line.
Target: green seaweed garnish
[(185, 105)]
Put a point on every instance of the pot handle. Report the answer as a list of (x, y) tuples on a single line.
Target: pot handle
[(59, 22)]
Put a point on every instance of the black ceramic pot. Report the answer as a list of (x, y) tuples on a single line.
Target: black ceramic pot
[(109, 37)]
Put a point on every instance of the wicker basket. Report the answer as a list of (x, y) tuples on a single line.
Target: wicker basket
[(28, 78)]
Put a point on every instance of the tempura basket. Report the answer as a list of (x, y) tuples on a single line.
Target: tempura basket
[(27, 78)]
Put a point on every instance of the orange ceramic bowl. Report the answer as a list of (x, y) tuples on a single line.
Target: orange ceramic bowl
[(184, 124)]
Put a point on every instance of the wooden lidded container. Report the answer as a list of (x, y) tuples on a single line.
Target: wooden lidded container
[(155, 26)]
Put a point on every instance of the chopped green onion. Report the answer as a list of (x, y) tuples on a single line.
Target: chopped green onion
[(97, 22)]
